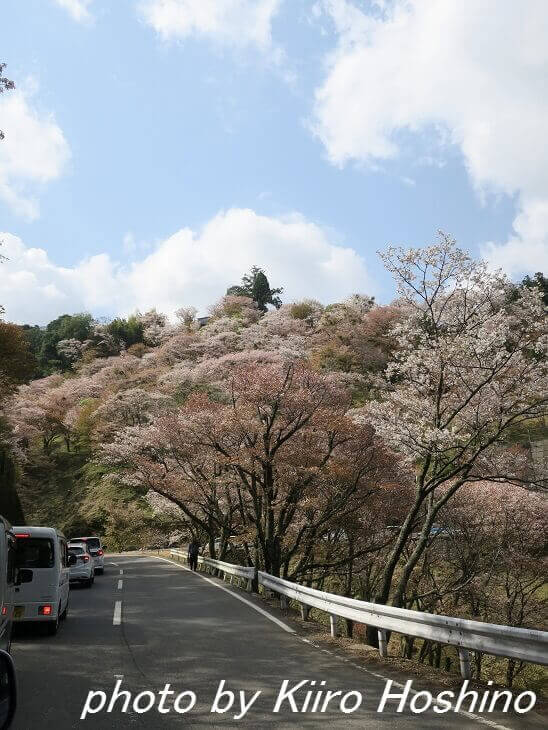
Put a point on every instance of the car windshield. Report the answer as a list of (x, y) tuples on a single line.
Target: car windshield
[(93, 543), (34, 552)]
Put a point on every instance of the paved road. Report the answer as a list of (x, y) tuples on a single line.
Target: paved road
[(176, 627)]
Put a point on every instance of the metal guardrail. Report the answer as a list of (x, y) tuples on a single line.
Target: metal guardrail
[(234, 571), (508, 641), (526, 645)]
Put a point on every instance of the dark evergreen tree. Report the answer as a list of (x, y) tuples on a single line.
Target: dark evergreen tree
[(255, 285)]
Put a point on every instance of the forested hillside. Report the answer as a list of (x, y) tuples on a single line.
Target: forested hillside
[(378, 450)]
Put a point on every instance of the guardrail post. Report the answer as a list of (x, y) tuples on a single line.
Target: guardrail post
[(383, 644), (333, 625), (254, 582), (464, 659), (305, 610), (283, 602)]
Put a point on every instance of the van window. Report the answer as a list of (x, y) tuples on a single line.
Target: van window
[(35, 552)]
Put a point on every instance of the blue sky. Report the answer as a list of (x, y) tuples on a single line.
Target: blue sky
[(167, 136)]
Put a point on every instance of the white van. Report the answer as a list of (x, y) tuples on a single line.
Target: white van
[(43, 551)]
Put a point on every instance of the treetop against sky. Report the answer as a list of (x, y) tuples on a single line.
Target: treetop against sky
[(156, 149)]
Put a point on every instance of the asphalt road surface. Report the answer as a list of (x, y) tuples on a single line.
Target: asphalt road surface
[(147, 622)]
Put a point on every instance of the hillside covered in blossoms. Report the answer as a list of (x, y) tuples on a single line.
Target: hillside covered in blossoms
[(383, 449)]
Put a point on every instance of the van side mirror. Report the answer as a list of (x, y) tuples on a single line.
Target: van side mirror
[(71, 560), (24, 575), (8, 690)]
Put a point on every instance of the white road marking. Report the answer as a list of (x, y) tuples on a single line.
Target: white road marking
[(412, 691), (117, 618), (121, 571), (269, 616), (287, 628), (120, 584)]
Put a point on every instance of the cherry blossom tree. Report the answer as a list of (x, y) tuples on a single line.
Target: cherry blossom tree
[(486, 561), (70, 349), (132, 407), (276, 461), (187, 318), (469, 369)]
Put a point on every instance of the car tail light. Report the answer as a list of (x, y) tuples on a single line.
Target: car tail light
[(85, 558), (45, 610), (4, 610), (22, 534), (99, 553)]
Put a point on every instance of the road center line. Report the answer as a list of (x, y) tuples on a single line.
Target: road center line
[(117, 618), (269, 616), (121, 571), (120, 584)]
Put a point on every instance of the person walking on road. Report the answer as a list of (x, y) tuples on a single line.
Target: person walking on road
[(193, 552)]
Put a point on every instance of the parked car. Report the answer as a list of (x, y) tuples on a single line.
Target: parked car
[(95, 549), (43, 552), (82, 571)]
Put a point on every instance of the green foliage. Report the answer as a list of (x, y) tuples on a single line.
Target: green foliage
[(334, 356), (255, 285), (304, 309), (129, 331), (185, 390), (66, 327), (34, 335), (69, 491), (84, 424)]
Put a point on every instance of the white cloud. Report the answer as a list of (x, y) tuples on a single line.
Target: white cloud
[(237, 23), (527, 249), (33, 152), (128, 243), (188, 268), (470, 75), (78, 9)]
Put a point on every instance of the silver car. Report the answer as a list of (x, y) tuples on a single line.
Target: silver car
[(82, 570)]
